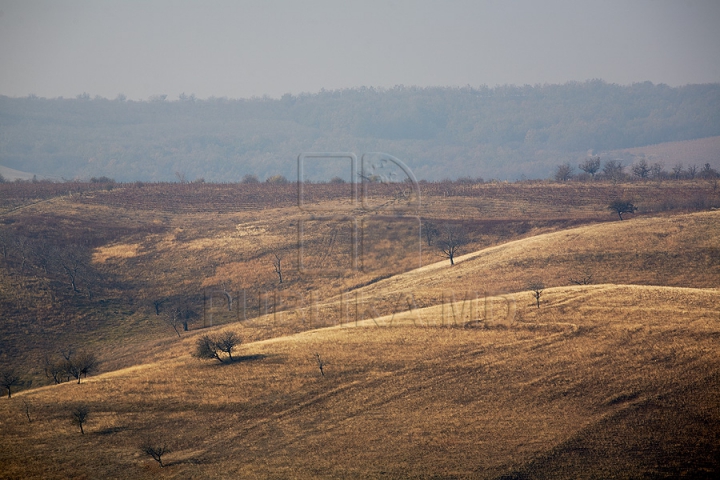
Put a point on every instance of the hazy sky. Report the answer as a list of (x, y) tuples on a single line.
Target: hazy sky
[(251, 48)]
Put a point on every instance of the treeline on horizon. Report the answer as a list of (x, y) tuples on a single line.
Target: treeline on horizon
[(504, 132)]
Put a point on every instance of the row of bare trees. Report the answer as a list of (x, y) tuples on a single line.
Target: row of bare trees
[(614, 170)]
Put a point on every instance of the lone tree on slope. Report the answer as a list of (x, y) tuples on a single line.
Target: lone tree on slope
[(536, 287), (155, 450), (622, 206), (451, 239), (9, 379), (208, 347), (80, 415)]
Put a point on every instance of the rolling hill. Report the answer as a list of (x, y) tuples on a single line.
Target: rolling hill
[(432, 372)]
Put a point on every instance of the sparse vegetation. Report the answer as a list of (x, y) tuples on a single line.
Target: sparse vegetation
[(80, 414), (413, 343)]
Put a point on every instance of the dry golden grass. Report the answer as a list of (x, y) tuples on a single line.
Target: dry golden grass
[(547, 395), (428, 374)]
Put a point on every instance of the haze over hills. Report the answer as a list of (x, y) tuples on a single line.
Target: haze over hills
[(503, 132)]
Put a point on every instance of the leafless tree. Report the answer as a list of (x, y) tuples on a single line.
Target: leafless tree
[(157, 304), (9, 379), (23, 249), (26, 407), (622, 206), (657, 170), (563, 172), (277, 263), (451, 239), (4, 243), (613, 169), (321, 364), (536, 287), (208, 347), (71, 264), (583, 278), (155, 449), (430, 231), (678, 171), (590, 165), (56, 369), (692, 171), (641, 169), (80, 416), (250, 179), (173, 319), (226, 342), (44, 255), (80, 364)]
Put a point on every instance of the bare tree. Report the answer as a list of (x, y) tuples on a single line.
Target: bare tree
[(26, 407), (692, 171), (677, 171), (451, 239), (563, 172), (72, 265), (57, 370), (430, 231), (641, 169), (174, 319), (591, 165), (277, 263), (9, 379), (23, 249), (613, 169), (657, 170), (4, 243), (536, 287), (226, 342), (80, 364), (80, 416), (622, 206), (249, 178), (583, 278), (206, 348), (155, 449), (321, 364), (157, 304)]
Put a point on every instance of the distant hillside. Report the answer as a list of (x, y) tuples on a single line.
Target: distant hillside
[(503, 132)]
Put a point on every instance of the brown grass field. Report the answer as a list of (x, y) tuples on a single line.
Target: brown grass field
[(430, 371)]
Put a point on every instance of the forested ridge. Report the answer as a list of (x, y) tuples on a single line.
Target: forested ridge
[(502, 132)]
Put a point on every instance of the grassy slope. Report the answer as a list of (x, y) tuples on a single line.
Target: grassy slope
[(626, 372), (681, 250)]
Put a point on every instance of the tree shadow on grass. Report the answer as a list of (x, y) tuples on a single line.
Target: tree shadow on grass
[(248, 358)]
